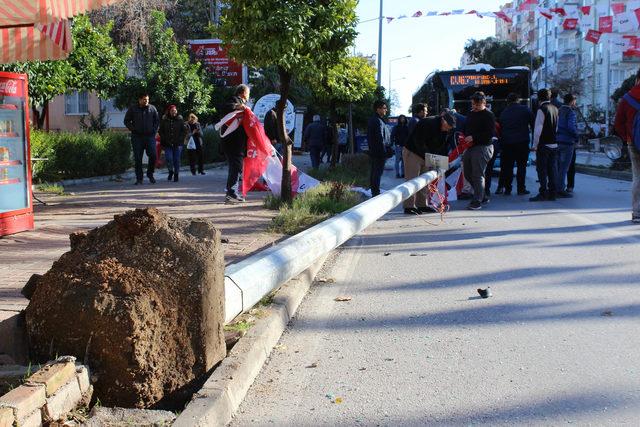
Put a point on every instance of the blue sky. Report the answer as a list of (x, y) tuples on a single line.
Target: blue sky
[(433, 42)]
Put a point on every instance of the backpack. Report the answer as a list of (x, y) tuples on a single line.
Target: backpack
[(635, 136)]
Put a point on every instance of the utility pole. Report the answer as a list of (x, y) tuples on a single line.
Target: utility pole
[(608, 84), (380, 44)]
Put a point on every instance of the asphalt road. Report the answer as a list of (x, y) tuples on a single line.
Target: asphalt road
[(557, 343)]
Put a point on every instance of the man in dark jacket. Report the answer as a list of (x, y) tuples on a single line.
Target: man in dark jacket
[(420, 112), (173, 133), (515, 121), (234, 145), (625, 116), (315, 136), (399, 136), (143, 121), (428, 136), (271, 129), (546, 147), (479, 128), (566, 137), (378, 138)]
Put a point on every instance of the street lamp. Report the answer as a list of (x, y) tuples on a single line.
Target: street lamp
[(390, 62)]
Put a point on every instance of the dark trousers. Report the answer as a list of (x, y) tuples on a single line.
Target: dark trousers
[(196, 156), (571, 173), (514, 154), (377, 168), (314, 152), (140, 144), (235, 161), (547, 167)]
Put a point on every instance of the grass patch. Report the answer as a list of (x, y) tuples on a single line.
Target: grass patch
[(311, 207), (51, 188), (240, 326), (353, 170)]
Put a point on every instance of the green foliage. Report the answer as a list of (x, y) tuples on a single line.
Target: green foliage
[(93, 123), (311, 207), (47, 79), (363, 109), (51, 188), (167, 74), (349, 80), (240, 326), (352, 170), (499, 54), (79, 155), (211, 146), (190, 19)]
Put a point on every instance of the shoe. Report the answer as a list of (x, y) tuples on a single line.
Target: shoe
[(234, 198), (538, 198), (465, 196), (170, 176), (564, 195), (486, 200), (193, 173), (425, 209), (202, 173), (569, 190), (175, 177), (523, 192), (411, 211), (507, 191), (551, 198), (474, 205), (397, 176), (138, 182), (500, 190), (151, 179), (635, 220)]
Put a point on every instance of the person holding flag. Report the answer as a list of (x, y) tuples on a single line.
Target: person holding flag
[(234, 142)]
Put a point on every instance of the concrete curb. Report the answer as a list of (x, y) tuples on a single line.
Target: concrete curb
[(604, 173), (219, 398)]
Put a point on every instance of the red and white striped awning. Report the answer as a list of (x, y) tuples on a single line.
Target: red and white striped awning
[(39, 29)]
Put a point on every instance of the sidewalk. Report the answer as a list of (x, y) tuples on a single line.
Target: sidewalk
[(92, 205)]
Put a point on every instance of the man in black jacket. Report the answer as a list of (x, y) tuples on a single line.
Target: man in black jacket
[(515, 121), (234, 145), (480, 127), (378, 138), (143, 121), (546, 147), (428, 136), (271, 129)]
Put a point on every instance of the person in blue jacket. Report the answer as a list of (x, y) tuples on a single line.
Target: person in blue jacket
[(378, 137), (566, 137)]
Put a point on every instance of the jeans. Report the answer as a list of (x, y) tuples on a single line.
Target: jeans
[(514, 154), (314, 152), (172, 156), (377, 168), (547, 167), (140, 144), (634, 155), (399, 161), (565, 154), (414, 166), (475, 161)]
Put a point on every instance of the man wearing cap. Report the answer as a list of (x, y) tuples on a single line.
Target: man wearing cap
[(315, 136), (479, 129), (546, 147), (429, 136)]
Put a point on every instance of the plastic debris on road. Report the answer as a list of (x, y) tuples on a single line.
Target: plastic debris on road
[(342, 299)]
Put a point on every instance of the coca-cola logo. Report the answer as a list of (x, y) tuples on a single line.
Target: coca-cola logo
[(9, 87)]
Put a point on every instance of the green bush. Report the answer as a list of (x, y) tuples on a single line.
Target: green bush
[(211, 141), (352, 170), (79, 155)]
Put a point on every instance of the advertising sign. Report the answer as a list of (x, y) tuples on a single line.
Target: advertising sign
[(214, 58), (267, 102)]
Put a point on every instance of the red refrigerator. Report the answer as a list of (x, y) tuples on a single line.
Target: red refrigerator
[(16, 208)]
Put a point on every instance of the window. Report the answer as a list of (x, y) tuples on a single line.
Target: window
[(76, 103)]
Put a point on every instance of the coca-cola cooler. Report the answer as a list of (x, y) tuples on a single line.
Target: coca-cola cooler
[(16, 207)]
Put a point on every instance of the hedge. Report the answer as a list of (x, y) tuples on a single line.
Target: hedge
[(79, 155)]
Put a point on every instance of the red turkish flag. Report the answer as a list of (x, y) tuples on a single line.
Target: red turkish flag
[(527, 4), (559, 10), (605, 24), (570, 24), (617, 8), (593, 36), (503, 16), (259, 148), (546, 13), (637, 12), (586, 10)]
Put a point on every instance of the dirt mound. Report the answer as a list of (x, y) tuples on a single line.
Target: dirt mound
[(141, 300)]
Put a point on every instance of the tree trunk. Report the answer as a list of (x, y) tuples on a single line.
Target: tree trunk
[(334, 135), (285, 84), (38, 117)]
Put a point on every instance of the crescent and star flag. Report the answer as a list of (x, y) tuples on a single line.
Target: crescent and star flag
[(605, 24), (593, 36), (570, 24)]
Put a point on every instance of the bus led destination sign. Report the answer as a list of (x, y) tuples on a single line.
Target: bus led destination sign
[(478, 80)]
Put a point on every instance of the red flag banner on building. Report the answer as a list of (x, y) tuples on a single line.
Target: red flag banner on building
[(605, 24), (593, 36), (637, 13), (570, 24), (546, 13), (503, 16), (559, 11), (617, 8), (527, 5), (586, 10)]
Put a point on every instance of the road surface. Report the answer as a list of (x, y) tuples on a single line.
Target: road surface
[(557, 343)]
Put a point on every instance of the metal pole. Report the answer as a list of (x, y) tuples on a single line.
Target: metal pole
[(380, 44), (352, 147), (608, 84), (546, 51)]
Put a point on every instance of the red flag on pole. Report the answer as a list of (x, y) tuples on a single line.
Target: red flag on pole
[(546, 13), (559, 10), (593, 36), (617, 8), (586, 10), (605, 24), (570, 24), (503, 16)]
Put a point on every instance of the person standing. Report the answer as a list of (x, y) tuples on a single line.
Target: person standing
[(428, 136), (399, 136), (546, 147), (173, 133), (196, 154), (143, 122), (566, 137), (515, 122), (627, 126), (419, 112), (479, 129), (271, 129), (315, 136), (234, 144), (378, 138), (555, 97)]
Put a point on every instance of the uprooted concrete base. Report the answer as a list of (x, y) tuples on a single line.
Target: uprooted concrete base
[(141, 301)]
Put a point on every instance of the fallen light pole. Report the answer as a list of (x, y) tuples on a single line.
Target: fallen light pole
[(248, 281)]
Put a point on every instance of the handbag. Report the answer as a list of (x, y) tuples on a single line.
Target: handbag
[(191, 145)]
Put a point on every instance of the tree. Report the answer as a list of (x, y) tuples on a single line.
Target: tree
[(167, 73), (350, 80), (499, 54), (299, 37)]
